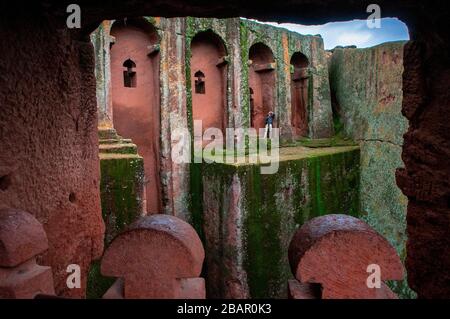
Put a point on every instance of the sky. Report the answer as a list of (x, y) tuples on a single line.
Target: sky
[(355, 32)]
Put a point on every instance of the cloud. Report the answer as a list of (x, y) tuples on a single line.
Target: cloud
[(355, 32), (358, 39)]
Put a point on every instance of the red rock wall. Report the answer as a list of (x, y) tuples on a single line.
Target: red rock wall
[(257, 111), (426, 177), (48, 139), (299, 95), (136, 111)]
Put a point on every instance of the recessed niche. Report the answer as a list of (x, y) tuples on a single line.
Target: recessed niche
[(5, 182), (199, 82), (129, 75), (72, 197), (299, 94), (262, 83)]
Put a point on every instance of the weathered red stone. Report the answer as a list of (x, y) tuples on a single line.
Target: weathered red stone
[(22, 238), (48, 139), (26, 281), (159, 256), (335, 251), (297, 290)]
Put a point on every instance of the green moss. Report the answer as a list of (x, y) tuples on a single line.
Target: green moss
[(121, 182), (245, 102), (118, 148), (262, 230), (372, 116), (151, 20), (337, 140), (196, 198), (330, 189), (110, 134), (121, 186), (96, 283), (337, 124), (316, 192)]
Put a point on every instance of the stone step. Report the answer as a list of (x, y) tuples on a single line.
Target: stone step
[(108, 133), (118, 148), (115, 141)]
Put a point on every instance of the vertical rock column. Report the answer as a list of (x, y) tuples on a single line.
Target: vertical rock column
[(121, 167), (122, 194)]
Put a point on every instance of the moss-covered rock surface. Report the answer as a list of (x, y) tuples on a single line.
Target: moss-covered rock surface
[(249, 218), (367, 85), (121, 192)]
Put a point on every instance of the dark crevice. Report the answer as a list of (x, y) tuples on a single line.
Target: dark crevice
[(5, 182)]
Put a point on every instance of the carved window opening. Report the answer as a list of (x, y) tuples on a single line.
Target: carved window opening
[(199, 82), (252, 107), (129, 75)]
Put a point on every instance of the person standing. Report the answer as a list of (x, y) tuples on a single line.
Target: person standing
[(269, 124)]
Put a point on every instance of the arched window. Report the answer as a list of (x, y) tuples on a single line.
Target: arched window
[(262, 83), (129, 75), (199, 82), (300, 65), (208, 80)]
